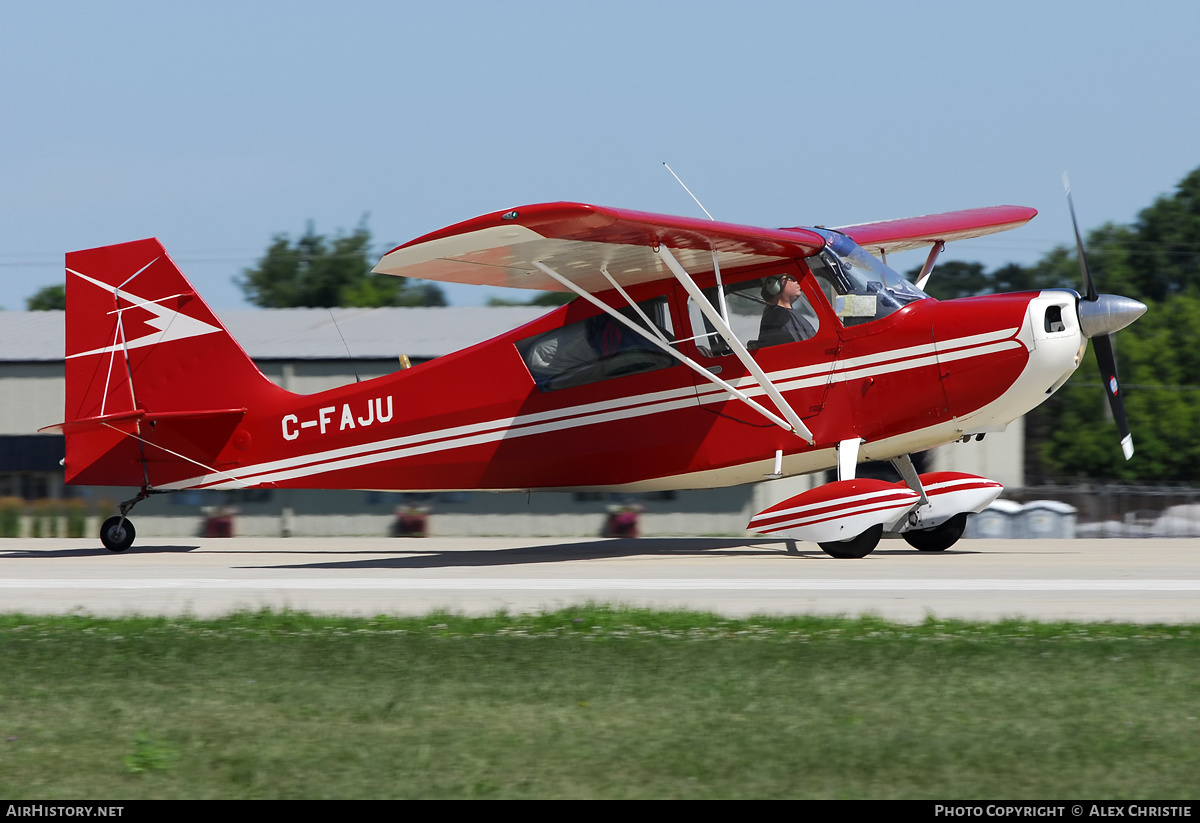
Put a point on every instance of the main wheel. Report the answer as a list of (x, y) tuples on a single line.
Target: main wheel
[(117, 534), (939, 538), (855, 547)]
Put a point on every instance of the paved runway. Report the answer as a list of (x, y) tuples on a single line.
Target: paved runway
[(1118, 580)]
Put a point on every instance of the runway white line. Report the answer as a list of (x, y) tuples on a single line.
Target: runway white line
[(603, 584)]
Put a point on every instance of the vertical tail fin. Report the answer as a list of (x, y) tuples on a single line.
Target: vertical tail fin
[(141, 345)]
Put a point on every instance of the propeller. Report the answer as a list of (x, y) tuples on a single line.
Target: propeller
[(1101, 316)]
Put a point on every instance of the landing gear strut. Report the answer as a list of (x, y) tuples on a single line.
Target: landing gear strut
[(117, 533)]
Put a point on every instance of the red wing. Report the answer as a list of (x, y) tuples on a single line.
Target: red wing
[(576, 240), (914, 232)]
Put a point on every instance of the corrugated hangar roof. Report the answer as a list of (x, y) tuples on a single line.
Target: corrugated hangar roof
[(32, 335), (306, 334)]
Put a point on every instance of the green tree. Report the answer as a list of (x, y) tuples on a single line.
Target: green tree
[(954, 278), (546, 298), (51, 298), (317, 271), (1167, 238), (1159, 363)]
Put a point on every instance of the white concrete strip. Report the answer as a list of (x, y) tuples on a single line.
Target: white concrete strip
[(568, 585)]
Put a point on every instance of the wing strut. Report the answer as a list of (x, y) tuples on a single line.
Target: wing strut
[(738, 349), (930, 261), (720, 287), (908, 472), (649, 323), (665, 346)]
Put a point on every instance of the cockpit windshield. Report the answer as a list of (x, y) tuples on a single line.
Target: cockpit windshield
[(859, 286)]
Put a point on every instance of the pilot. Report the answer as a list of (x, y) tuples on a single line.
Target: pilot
[(780, 323)]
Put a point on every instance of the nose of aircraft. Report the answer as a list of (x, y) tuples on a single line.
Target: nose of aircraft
[(1108, 314), (1100, 315)]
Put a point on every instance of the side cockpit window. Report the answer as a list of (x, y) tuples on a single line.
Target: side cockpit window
[(768, 311), (598, 348)]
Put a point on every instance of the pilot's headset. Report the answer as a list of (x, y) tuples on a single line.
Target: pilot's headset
[(772, 286)]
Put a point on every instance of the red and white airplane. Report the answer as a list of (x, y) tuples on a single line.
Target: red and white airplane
[(698, 354)]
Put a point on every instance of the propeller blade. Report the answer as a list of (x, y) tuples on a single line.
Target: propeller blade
[(1108, 373), (1089, 289), (1100, 316)]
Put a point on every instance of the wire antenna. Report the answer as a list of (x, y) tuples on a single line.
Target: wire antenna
[(689, 191), (353, 365)]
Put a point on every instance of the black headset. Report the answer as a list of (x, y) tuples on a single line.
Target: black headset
[(773, 285)]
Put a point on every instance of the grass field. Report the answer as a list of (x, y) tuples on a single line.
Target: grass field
[(594, 702)]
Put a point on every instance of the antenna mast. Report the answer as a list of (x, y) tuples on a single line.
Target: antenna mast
[(716, 263), (689, 191)]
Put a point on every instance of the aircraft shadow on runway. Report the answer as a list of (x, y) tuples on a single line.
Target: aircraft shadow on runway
[(584, 550), (91, 551), (411, 557)]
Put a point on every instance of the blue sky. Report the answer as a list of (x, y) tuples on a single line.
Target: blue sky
[(215, 126)]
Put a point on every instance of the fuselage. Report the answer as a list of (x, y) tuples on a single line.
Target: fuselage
[(502, 416)]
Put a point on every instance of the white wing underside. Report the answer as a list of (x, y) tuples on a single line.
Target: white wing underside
[(505, 255)]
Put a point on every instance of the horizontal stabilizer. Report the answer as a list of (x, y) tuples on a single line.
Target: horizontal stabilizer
[(125, 421), (122, 421)]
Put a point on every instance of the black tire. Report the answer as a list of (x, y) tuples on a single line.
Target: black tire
[(117, 534), (939, 538), (855, 547)]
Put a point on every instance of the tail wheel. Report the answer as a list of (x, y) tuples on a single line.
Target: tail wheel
[(855, 547), (939, 538), (117, 534)]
